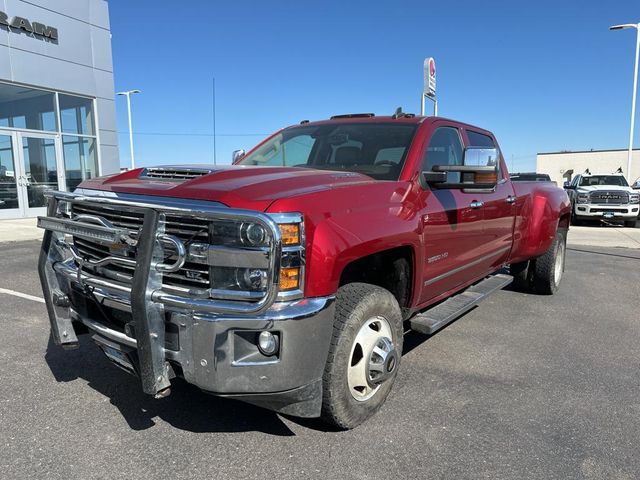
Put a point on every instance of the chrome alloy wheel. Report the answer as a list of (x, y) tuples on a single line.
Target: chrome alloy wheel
[(559, 265), (373, 358)]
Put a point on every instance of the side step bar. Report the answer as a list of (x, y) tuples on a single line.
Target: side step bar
[(435, 318)]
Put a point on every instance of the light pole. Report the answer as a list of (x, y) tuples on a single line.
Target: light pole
[(635, 88), (128, 94)]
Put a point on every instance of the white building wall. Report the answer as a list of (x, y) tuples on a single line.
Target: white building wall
[(559, 164), (80, 62)]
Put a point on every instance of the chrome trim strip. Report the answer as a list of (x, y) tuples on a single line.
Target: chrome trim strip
[(106, 332), (220, 256), (470, 264)]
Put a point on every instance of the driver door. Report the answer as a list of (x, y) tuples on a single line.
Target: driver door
[(452, 220)]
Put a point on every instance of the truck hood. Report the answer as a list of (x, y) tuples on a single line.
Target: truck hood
[(236, 186)]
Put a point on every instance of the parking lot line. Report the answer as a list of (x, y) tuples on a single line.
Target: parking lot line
[(21, 295)]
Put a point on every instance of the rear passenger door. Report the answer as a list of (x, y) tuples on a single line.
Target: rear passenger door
[(499, 208)]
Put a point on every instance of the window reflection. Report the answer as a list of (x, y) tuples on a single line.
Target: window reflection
[(79, 160), (8, 189), (23, 107), (41, 171), (76, 114)]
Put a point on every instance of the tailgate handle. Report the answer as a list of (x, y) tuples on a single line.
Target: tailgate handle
[(511, 199)]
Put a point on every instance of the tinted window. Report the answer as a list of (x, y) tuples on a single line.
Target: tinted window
[(374, 149), (617, 180), (480, 140), (445, 148)]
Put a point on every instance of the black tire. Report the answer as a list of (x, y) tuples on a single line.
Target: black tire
[(356, 304), (547, 273), (630, 223)]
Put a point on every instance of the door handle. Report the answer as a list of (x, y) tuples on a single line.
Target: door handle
[(511, 199), (476, 204)]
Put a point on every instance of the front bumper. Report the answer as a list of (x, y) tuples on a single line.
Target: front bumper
[(216, 351), (593, 211)]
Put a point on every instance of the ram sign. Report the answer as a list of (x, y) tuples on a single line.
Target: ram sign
[(21, 23)]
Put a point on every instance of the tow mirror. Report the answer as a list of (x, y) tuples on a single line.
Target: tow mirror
[(237, 155), (478, 171)]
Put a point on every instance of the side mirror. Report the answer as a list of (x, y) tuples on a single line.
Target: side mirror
[(478, 171), (237, 155), (636, 185)]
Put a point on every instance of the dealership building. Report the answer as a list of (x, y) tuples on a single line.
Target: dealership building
[(57, 108), (562, 166)]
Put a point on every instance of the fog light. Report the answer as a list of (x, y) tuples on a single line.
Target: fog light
[(267, 343)]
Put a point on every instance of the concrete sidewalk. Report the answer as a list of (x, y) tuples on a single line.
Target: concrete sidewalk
[(19, 229), (604, 236)]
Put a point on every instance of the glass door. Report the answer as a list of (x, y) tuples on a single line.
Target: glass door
[(40, 169), (10, 206)]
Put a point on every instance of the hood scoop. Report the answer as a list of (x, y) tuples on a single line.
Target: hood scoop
[(174, 173)]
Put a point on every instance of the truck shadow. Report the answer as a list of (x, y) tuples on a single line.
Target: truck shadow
[(187, 408)]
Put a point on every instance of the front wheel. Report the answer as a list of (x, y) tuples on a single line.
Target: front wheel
[(630, 223), (364, 355)]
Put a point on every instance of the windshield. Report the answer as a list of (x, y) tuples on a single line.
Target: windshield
[(374, 149), (617, 180)]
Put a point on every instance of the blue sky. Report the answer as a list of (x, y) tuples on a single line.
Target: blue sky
[(542, 75)]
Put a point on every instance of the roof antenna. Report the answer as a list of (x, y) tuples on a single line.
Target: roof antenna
[(398, 113), (587, 172), (619, 170)]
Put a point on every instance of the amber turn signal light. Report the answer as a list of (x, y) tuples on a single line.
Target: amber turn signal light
[(289, 278), (486, 178), (290, 233)]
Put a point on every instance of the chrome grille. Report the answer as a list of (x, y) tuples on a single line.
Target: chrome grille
[(174, 173), (190, 276), (609, 197)]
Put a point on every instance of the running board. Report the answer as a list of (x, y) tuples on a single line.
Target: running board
[(433, 319)]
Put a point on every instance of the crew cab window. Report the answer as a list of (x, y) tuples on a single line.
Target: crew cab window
[(480, 140), (374, 149), (445, 148)]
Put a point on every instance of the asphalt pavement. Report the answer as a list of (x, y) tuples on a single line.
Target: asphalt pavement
[(522, 387)]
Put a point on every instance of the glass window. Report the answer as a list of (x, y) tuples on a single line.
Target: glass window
[(76, 114), (353, 147), (480, 140), (445, 148), (8, 189), (614, 180), (79, 160), (393, 155), (24, 107), (41, 169)]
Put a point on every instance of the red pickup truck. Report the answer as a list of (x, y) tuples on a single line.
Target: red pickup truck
[(287, 279)]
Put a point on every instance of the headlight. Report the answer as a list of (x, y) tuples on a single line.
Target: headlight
[(583, 197), (252, 234), (634, 198)]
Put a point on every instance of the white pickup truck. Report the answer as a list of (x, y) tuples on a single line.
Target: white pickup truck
[(603, 197)]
